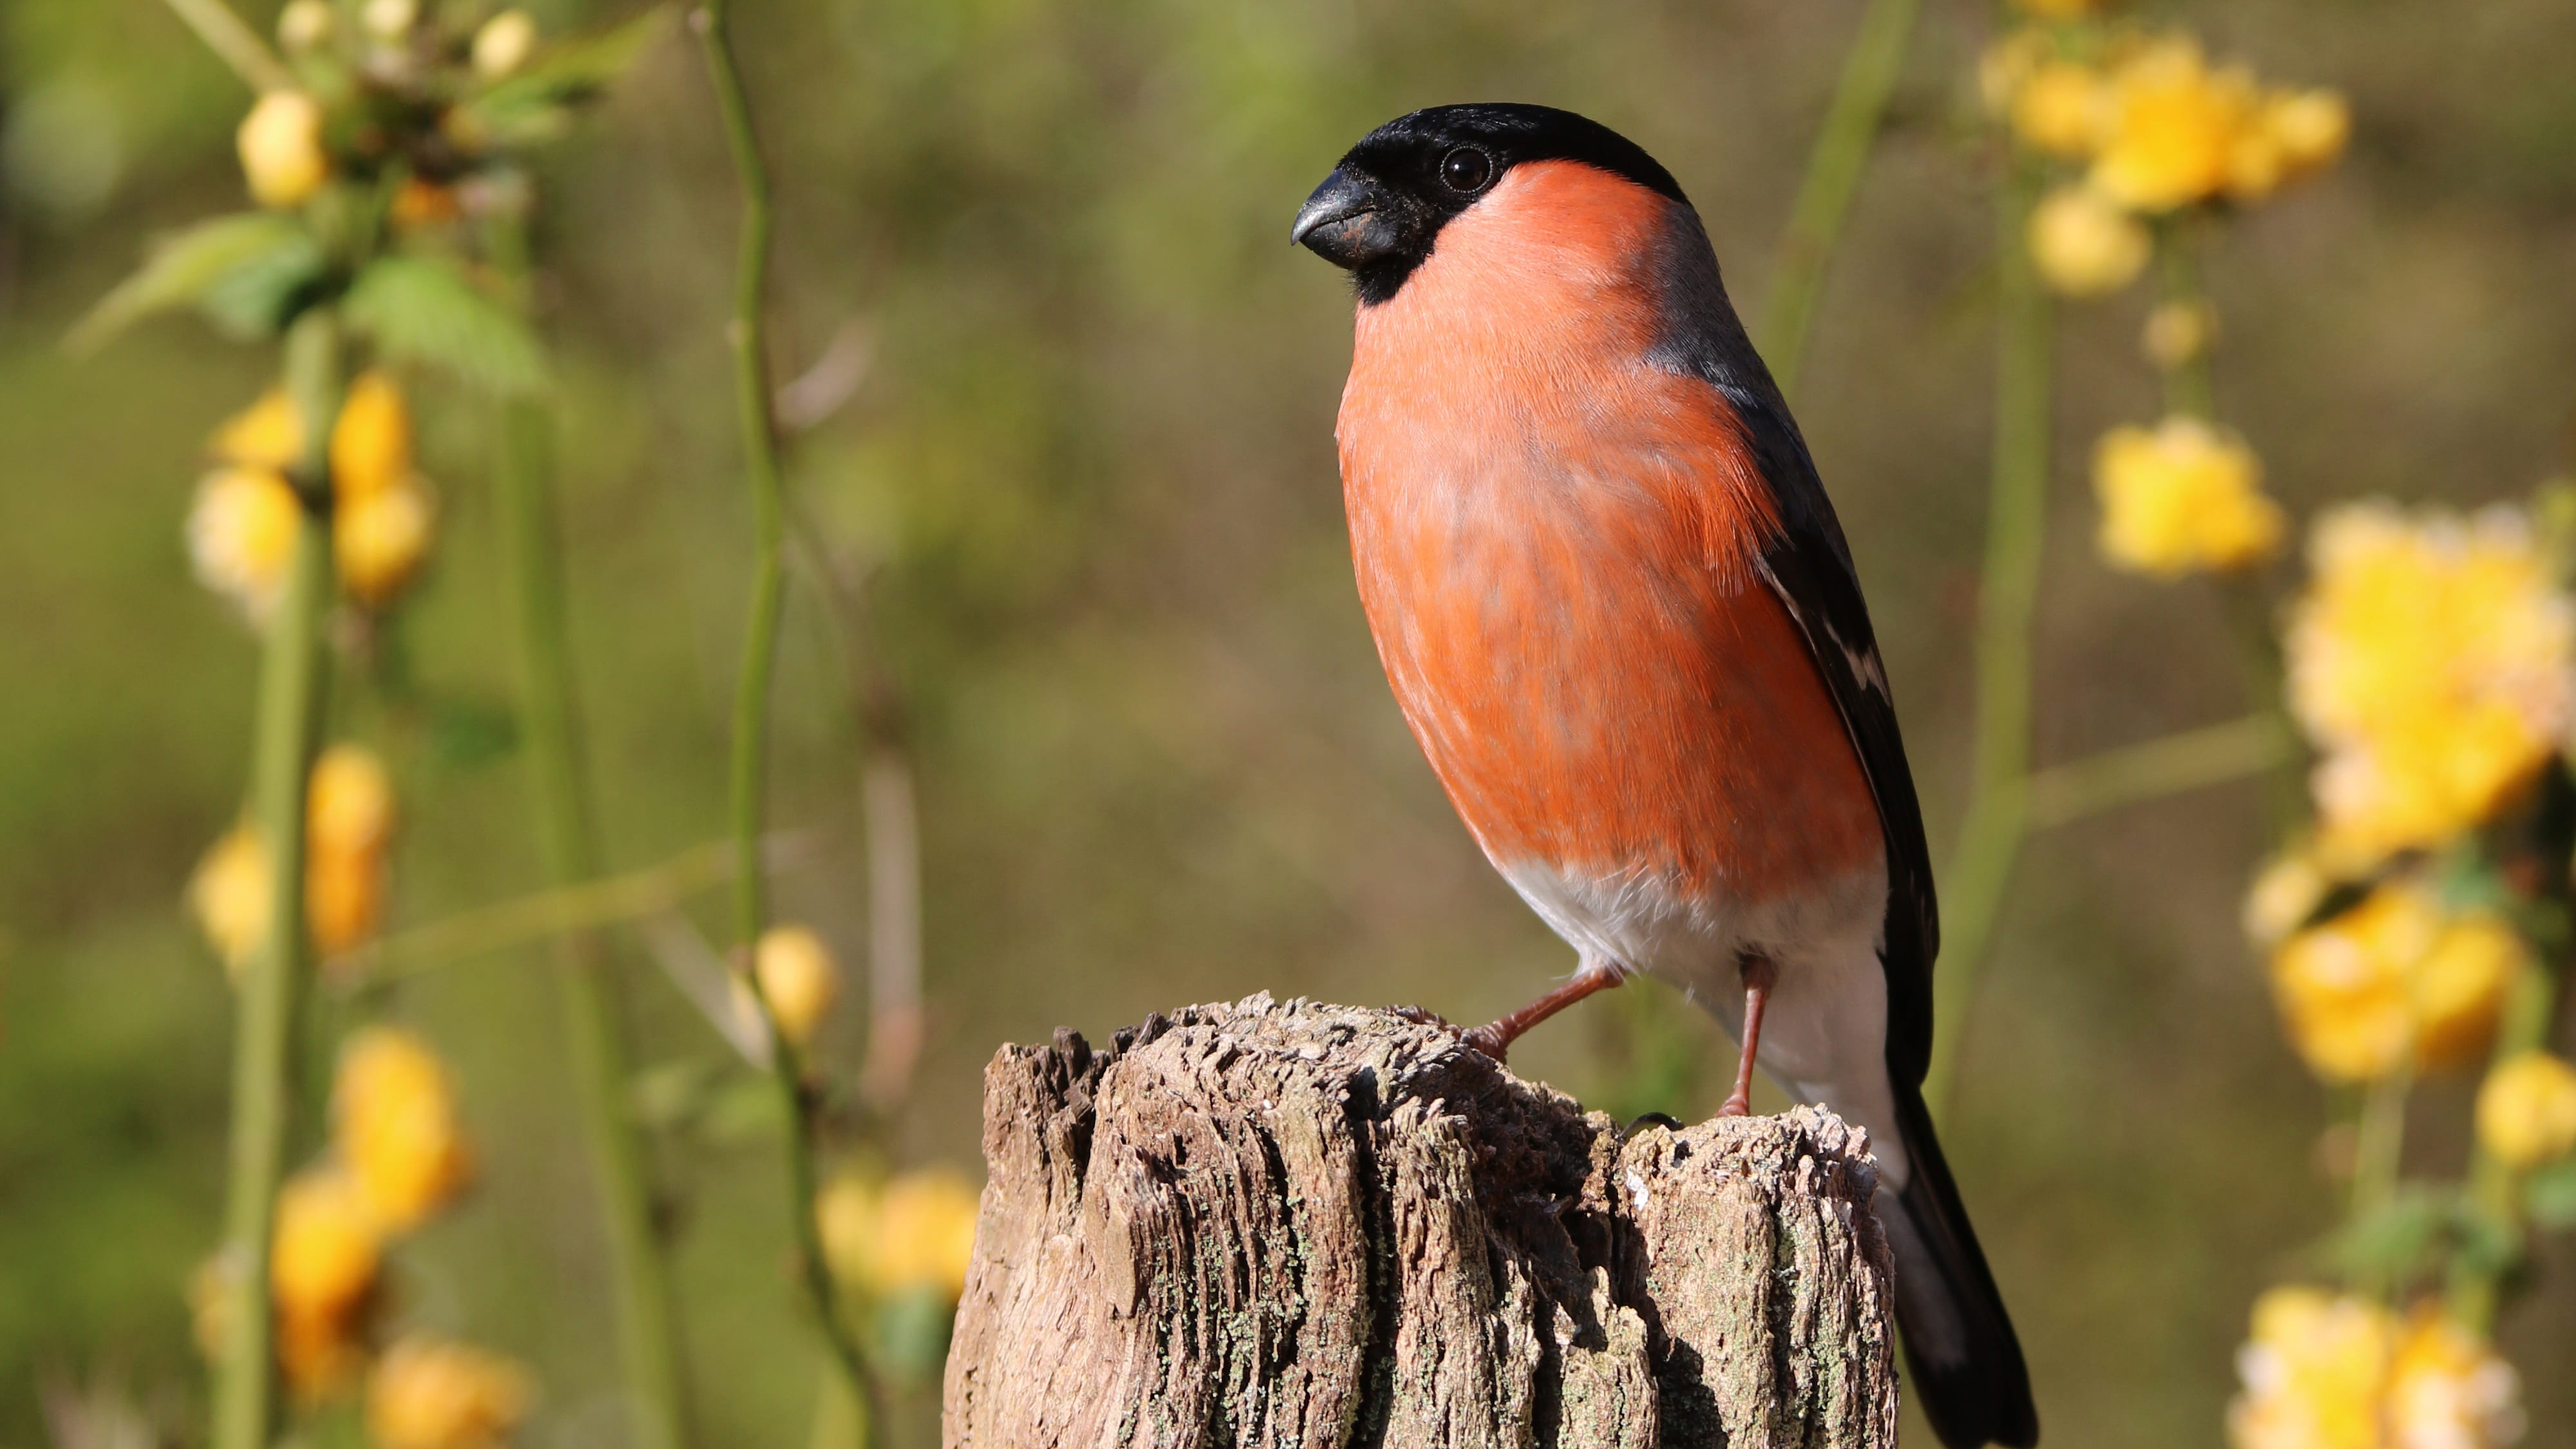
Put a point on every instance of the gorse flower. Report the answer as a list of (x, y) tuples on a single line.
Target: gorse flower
[(393, 1123), (2527, 1110), (2396, 980), (2323, 1371), (798, 978), (914, 1233), (242, 532), (2182, 497), (322, 1272), (2170, 126), (429, 1394), (2084, 246), (349, 818), (280, 142), (2286, 892), (2429, 659), (504, 43), (2057, 109), (241, 536)]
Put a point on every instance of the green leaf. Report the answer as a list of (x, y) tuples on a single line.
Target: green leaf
[(2392, 1241), (537, 103), (2549, 1195), (416, 309), (248, 270)]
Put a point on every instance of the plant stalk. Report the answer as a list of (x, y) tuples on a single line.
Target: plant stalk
[(568, 846), (234, 43), (748, 336), (2190, 390), (272, 988), (1997, 819), (1834, 170)]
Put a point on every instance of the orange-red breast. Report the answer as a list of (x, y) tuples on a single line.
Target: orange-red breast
[(1618, 612)]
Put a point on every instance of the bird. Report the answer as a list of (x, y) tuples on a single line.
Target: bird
[(1618, 612)]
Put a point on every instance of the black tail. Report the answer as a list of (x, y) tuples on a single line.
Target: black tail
[(1960, 1354)]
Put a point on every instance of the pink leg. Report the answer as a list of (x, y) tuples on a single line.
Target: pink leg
[(1759, 977), (1495, 1038)]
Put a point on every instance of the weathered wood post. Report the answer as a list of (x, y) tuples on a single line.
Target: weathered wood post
[(1284, 1223)]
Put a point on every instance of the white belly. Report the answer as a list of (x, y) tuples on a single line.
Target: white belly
[(1824, 1034)]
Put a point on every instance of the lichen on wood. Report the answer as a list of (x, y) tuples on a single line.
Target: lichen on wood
[(1284, 1223)]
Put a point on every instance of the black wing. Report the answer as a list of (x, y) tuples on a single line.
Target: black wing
[(1809, 566)]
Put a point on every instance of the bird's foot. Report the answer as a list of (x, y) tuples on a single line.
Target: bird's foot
[(1491, 1039), (1739, 1105)]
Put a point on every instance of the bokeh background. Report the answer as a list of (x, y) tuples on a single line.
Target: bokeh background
[(1089, 471)]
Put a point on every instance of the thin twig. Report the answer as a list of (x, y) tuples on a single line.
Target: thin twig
[(1833, 177), (2131, 774), (272, 990), (559, 802), (234, 43), (530, 919), (747, 333), (1997, 819)]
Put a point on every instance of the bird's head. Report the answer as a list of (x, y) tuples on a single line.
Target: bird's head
[(1381, 211)]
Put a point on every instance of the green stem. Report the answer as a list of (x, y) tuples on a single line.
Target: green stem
[(1833, 178), (1997, 818), (2155, 768), (2495, 1188), (594, 1025), (234, 43), (748, 337), (272, 990), (2379, 1148), (2189, 388), (543, 915)]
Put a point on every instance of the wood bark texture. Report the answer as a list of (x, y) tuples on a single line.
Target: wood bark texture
[(1284, 1223)]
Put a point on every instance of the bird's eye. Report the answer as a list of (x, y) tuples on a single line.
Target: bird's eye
[(1466, 169)]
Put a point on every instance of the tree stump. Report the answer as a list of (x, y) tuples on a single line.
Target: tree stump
[(1284, 1223)]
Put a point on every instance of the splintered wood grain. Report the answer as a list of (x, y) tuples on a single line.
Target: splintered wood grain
[(1283, 1223)]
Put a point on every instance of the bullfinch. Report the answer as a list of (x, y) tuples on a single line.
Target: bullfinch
[(1618, 613)]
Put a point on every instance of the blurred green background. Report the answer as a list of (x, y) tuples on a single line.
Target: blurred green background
[(1089, 472)]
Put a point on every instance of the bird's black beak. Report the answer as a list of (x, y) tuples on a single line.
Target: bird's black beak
[(1350, 220)]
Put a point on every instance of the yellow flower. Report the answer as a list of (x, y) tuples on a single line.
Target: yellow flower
[(263, 435), (241, 536), (371, 439), (2448, 1389), (2527, 1110), (304, 24), (915, 1232), (281, 149), (2322, 1371), (2170, 127), (2008, 64), (2286, 892), (2394, 980), (2180, 498), (379, 539), (2308, 127), (229, 896), (2314, 1370), (504, 43), (349, 802), (428, 1394), (2058, 110), (2084, 246), (328, 1248), (393, 1121), (798, 978), (2430, 660), (348, 823), (344, 900), (2177, 332)]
